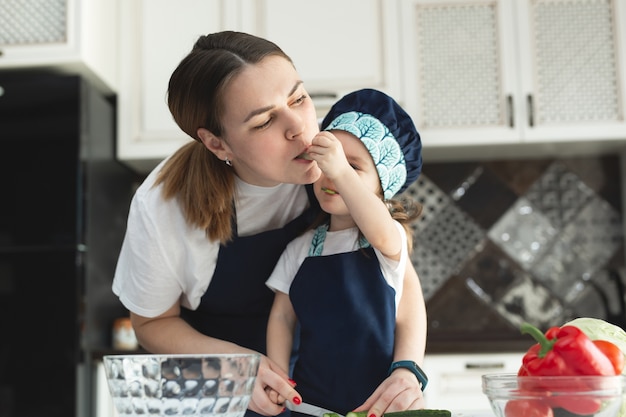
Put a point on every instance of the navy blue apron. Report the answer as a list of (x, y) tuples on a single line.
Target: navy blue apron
[(236, 305), (346, 312)]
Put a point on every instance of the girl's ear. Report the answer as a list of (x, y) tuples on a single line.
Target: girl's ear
[(214, 144)]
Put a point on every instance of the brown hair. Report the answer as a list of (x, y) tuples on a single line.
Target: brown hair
[(405, 211), (203, 184)]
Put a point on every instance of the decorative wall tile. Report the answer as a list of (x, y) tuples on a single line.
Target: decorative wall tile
[(523, 233), (559, 194), (432, 199), (490, 272), (452, 236), (585, 246), (449, 176), (518, 240), (527, 300), (433, 273), (444, 237), (486, 197)]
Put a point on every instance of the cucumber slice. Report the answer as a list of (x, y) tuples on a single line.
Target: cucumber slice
[(426, 412)]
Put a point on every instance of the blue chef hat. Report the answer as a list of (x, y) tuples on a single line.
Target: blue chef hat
[(387, 132)]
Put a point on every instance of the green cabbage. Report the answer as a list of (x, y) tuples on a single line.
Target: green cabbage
[(597, 329)]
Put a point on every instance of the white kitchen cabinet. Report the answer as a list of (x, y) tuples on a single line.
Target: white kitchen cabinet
[(515, 71), (154, 36), (103, 402), (454, 380), (75, 36), (336, 45)]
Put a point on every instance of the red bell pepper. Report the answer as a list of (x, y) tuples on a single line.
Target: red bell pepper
[(567, 351), (613, 352), (528, 408)]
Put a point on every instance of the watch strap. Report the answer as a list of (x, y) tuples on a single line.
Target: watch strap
[(413, 367)]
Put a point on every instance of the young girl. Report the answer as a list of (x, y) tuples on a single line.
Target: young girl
[(341, 283)]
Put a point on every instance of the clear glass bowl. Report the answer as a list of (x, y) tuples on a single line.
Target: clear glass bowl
[(177, 385), (513, 396)]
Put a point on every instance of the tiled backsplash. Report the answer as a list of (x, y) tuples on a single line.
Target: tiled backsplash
[(502, 242)]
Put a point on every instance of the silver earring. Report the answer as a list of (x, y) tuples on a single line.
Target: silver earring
[(230, 164)]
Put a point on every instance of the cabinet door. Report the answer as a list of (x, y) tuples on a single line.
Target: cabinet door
[(103, 401), (337, 46), (155, 36), (70, 35), (455, 380), (460, 70), (572, 69)]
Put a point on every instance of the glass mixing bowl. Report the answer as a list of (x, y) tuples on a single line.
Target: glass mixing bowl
[(513, 396), (177, 385)]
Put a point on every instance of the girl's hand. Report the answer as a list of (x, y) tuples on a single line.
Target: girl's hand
[(328, 152), (400, 391), (272, 386)]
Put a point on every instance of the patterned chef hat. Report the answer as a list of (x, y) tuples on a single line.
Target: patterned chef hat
[(387, 132)]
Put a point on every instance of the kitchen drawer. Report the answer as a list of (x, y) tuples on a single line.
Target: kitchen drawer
[(455, 379)]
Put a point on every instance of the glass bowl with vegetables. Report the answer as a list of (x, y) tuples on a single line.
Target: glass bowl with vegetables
[(511, 395), (565, 373), (192, 385)]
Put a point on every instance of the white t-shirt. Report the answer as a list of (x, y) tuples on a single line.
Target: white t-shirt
[(163, 259), (341, 241)]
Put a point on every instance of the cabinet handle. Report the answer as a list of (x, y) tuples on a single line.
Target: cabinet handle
[(531, 110), (323, 95), (484, 365), (509, 108)]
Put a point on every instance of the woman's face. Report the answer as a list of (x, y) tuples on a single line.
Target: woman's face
[(269, 121)]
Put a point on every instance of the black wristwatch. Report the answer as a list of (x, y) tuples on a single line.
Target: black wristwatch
[(413, 367)]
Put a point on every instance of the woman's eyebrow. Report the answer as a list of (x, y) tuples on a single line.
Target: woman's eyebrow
[(268, 108)]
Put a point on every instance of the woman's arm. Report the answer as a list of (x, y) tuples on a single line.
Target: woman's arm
[(401, 390), (168, 333)]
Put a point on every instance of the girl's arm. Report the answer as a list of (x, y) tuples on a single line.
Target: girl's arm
[(280, 330)]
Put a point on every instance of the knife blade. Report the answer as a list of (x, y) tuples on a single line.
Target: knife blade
[(310, 409)]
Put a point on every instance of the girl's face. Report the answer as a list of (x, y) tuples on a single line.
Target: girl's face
[(360, 159), (269, 121)]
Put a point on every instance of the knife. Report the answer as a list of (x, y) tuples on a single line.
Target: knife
[(310, 409)]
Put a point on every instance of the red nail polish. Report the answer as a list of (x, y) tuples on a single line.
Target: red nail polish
[(297, 401), (372, 415), (284, 409), (292, 382)]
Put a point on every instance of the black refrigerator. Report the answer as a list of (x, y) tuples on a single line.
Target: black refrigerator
[(62, 218)]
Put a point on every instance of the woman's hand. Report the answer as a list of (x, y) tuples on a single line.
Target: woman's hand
[(271, 388), (400, 391)]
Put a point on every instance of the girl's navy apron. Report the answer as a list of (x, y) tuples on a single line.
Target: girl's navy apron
[(346, 312), (236, 305)]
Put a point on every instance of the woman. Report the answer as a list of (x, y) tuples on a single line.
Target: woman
[(207, 226)]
